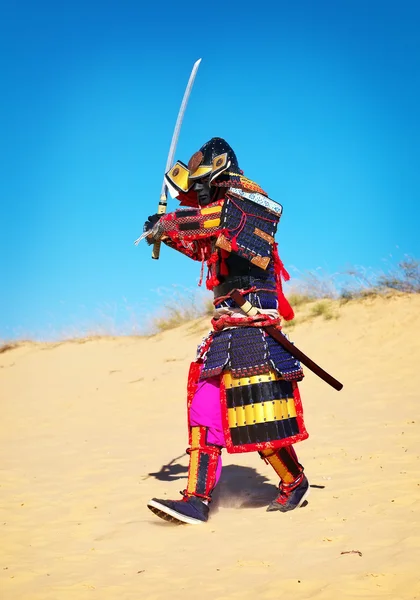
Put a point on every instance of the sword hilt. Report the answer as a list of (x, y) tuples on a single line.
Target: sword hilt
[(161, 211)]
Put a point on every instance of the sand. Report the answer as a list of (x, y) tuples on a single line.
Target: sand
[(91, 430)]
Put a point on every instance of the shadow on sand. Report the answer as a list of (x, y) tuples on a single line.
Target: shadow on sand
[(171, 471), (242, 487), (239, 486)]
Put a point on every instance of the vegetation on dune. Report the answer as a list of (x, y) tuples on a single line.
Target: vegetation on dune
[(184, 306), (404, 277), (313, 295)]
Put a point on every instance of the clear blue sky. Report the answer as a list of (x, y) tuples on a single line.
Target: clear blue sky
[(320, 101)]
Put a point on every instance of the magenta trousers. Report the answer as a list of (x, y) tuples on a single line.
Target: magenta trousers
[(205, 411)]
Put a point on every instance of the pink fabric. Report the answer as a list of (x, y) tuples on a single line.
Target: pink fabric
[(206, 411)]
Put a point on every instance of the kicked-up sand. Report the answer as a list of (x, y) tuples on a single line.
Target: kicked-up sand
[(91, 430)]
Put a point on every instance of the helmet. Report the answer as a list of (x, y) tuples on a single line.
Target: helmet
[(213, 158)]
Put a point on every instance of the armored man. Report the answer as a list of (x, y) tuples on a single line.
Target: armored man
[(242, 388)]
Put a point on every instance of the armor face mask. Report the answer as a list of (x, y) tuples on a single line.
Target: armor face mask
[(215, 157), (204, 193)]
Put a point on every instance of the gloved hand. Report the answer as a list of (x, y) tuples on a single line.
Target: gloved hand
[(151, 222)]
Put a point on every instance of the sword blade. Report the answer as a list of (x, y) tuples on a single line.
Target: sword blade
[(164, 192), (179, 119)]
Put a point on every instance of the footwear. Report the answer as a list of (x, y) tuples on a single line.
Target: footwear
[(291, 496), (190, 510)]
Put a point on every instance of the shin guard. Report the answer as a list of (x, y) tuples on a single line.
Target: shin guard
[(285, 463), (204, 459)]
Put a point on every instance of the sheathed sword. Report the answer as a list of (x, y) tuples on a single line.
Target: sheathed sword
[(164, 193), (275, 333)]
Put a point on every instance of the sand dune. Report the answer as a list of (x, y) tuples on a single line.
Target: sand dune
[(91, 431)]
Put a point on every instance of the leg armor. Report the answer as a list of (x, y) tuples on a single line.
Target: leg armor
[(285, 463), (294, 487), (203, 472), (204, 462)]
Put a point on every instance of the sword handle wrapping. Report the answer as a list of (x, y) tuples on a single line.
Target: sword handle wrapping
[(156, 250), (160, 211)]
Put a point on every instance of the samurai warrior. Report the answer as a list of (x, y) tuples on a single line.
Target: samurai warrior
[(242, 387)]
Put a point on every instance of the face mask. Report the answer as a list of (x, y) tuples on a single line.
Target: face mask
[(202, 188)]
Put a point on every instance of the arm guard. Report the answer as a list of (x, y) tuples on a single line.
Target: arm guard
[(189, 230)]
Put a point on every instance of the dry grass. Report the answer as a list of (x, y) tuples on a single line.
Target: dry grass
[(318, 294), (297, 299), (355, 282), (185, 305), (326, 309), (313, 294), (323, 309), (360, 282)]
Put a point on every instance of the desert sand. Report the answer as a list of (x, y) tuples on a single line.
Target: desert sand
[(92, 429)]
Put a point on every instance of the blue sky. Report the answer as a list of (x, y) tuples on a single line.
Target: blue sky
[(320, 101)]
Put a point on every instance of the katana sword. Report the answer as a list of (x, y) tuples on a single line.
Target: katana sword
[(275, 333), (164, 193)]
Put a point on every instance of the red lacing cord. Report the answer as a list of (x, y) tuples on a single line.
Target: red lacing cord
[(212, 280), (196, 494), (220, 299), (212, 450), (242, 223), (251, 290), (259, 320), (203, 260)]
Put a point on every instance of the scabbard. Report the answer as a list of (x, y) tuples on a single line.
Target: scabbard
[(276, 334)]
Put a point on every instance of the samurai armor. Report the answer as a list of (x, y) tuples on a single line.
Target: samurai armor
[(247, 351), (250, 230), (204, 459), (261, 412)]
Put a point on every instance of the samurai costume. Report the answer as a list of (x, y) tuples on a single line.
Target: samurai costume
[(242, 388)]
